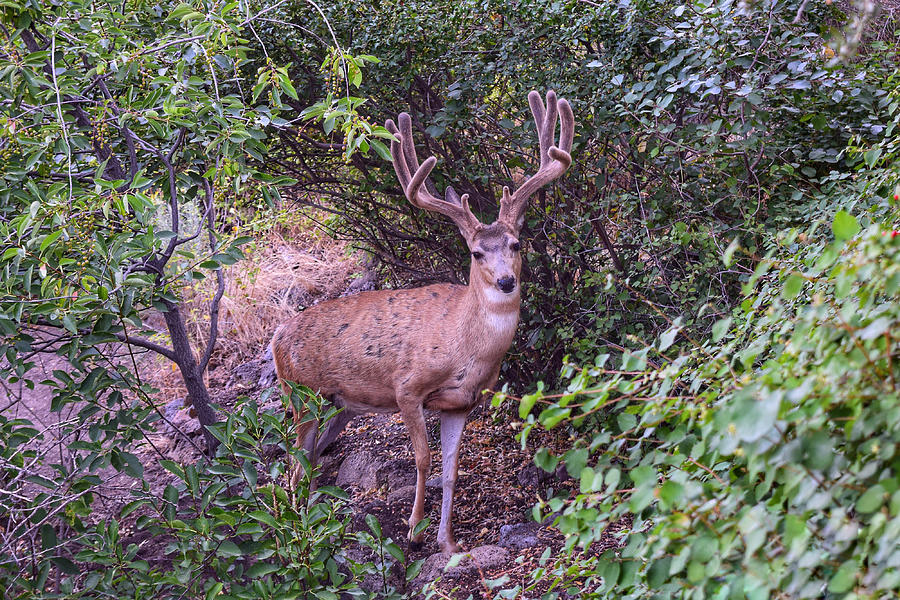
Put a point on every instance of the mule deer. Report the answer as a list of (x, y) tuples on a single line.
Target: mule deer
[(435, 347)]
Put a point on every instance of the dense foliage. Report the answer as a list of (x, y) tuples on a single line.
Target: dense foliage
[(713, 286), (126, 130), (760, 461)]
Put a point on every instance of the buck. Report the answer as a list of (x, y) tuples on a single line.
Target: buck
[(430, 348)]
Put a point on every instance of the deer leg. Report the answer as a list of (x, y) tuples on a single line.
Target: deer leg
[(333, 428), (414, 419), (306, 439), (452, 425)]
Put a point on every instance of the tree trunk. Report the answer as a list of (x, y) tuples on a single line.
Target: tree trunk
[(190, 372)]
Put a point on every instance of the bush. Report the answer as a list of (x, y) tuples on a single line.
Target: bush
[(224, 528), (760, 461)]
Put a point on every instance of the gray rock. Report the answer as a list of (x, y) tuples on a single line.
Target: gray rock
[(247, 373), (364, 283), (362, 470), (178, 414), (400, 473), (174, 406), (403, 495), (266, 370), (482, 557), (519, 535)]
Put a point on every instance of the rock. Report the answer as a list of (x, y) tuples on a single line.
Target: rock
[(400, 473), (174, 406), (178, 414), (519, 535), (364, 283), (533, 476), (247, 373), (482, 557), (393, 522), (362, 470), (562, 474), (267, 369), (403, 495)]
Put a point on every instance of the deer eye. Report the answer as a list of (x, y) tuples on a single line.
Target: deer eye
[(515, 247), (477, 255)]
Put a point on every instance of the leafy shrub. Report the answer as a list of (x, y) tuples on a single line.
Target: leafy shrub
[(761, 461), (224, 528)]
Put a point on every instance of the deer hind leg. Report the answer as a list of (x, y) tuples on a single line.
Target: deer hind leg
[(414, 419), (333, 428), (307, 434), (452, 425)]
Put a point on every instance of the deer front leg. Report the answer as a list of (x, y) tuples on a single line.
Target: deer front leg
[(452, 425), (414, 419)]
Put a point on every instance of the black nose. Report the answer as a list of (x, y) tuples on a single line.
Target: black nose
[(507, 284)]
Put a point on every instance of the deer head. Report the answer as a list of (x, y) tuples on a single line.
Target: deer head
[(496, 263)]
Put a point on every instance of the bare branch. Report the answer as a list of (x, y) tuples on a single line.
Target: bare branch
[(220, 279)]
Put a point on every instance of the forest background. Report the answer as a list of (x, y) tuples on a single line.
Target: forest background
[(710, 311)]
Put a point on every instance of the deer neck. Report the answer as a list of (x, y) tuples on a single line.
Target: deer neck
[(490, 309)]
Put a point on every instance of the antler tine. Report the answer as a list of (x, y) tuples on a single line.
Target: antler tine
[(403, 153), (554, 160)]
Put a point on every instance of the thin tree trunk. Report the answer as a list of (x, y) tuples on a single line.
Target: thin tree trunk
[(191, 372)]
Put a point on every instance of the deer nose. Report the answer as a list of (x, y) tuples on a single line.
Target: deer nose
[(507, 284)]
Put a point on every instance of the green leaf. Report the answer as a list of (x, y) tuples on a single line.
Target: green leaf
[(871, 156), (413, 569), (527, 403), (552, 416), (871, 500), (47, 241), (228, 549), (261, 569), (421, 526), (214, 590), (576, 459), (132, 465), (263, 517), (65, 565), (454, 561), (380, 149), (545, 460), (843, 579), (374, 525), (792, 286), (668, 337), (844, 226), (720, 328), (249, 471), (876, 328)]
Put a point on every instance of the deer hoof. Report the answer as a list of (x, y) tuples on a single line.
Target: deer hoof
[(415, 546)]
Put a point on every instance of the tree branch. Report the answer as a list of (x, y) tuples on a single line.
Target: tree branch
[(220, 278)]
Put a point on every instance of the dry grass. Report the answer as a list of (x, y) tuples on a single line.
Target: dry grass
[(294, 264), (286, 270)]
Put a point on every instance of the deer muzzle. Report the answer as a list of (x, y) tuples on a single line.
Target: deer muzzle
[(507, 284)]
